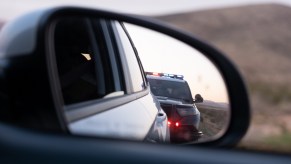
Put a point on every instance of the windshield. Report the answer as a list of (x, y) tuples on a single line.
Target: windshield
[(170, 89)]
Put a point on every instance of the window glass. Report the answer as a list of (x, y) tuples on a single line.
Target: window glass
[(134, 68), (84, 73), (75, 61), (170, 89)]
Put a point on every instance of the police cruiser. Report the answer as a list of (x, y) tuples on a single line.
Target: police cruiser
[(176, 100)]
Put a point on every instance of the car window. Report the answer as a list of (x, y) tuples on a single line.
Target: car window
[(82, 60), (133, 65), (170, 89)]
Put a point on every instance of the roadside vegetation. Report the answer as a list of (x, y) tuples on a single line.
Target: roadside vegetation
[(213, 120)]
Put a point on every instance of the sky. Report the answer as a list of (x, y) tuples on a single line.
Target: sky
[(163, 54), (12, 8)]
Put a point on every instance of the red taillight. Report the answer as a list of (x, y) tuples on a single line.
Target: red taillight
[(177, 124)]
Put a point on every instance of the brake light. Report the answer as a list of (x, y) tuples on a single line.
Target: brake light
[(177, 124)]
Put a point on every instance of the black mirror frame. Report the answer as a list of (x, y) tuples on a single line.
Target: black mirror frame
[(238, 96)]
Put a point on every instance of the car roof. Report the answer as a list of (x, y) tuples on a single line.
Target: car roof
[(165, 78)]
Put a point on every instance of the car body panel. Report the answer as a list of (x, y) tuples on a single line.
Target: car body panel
[(128, 121)]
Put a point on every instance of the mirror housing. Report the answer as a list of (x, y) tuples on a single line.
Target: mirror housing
[(38, 60), (198, 98)]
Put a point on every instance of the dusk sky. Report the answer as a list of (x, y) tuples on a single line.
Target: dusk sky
[(161, 53)]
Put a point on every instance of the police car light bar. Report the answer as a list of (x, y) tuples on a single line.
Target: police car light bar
[(174, 76)]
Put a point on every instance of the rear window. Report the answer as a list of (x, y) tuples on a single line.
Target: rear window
[(171, 89)]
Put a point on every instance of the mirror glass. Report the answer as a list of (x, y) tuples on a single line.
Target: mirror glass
[(120, 80), (163, 54)]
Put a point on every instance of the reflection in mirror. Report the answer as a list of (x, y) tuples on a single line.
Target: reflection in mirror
[(164, 57), (105, 93)]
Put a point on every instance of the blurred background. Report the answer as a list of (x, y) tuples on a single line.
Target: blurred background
[(255, 35)]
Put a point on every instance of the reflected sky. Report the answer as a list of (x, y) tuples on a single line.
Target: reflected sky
[(160, 53)]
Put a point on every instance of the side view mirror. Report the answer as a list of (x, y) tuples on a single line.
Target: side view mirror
[(82, 72), (198, 98)]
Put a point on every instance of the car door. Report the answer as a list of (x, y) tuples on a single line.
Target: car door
[(96, 64), (138, 82)]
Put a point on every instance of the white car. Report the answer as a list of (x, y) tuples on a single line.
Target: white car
[(98, 84)]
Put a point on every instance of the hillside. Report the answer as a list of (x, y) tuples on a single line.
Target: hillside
[(257, 38)]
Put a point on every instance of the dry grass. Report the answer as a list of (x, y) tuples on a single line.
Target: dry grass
[(212, 120)]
